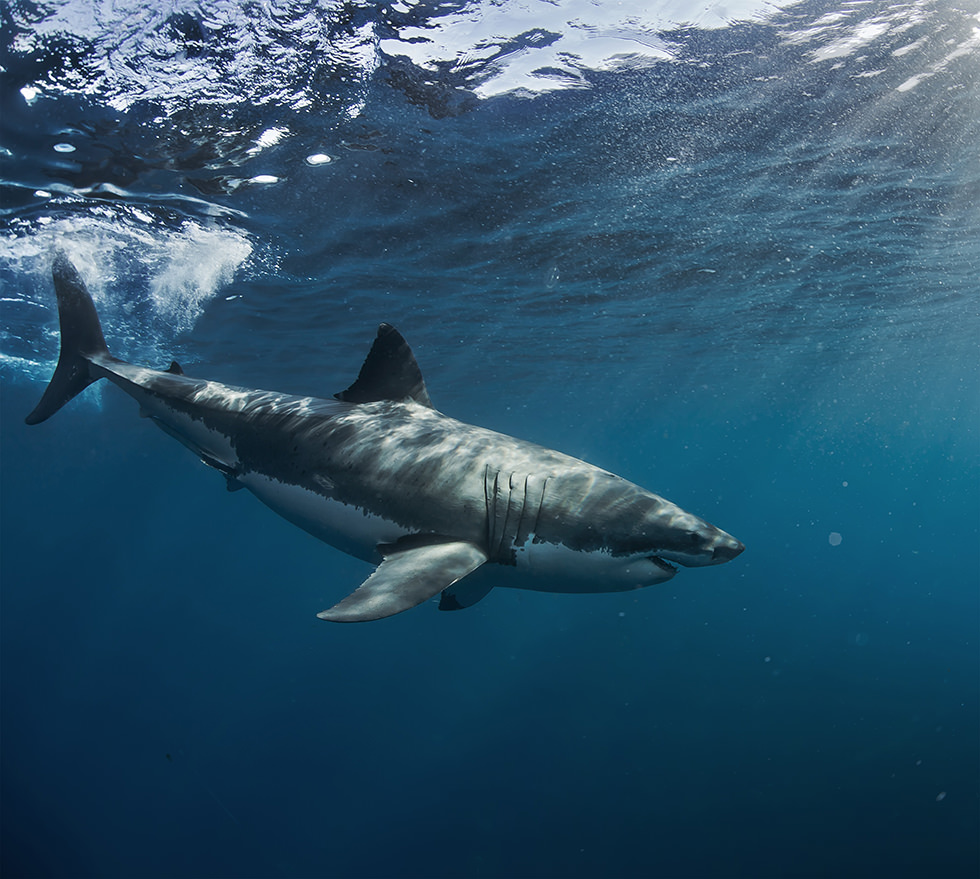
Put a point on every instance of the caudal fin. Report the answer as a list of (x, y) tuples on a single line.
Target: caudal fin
[(81, 340)]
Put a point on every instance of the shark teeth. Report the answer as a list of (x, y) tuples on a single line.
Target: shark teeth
[(659, 562)]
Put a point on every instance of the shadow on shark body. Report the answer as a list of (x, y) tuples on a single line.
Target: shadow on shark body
[(379, 473)]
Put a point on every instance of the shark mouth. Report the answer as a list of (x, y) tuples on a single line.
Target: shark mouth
[(663, 565)]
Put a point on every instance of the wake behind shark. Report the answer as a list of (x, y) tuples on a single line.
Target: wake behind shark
[(438, 505)]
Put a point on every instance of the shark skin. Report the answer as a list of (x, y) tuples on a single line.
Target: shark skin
[(439, 506)]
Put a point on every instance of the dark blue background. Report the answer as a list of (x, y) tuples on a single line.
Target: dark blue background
[(778, 331)]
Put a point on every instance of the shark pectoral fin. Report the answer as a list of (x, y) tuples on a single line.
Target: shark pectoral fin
[(461, 595), (407, 577)]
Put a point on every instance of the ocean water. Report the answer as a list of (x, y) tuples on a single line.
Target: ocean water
[(728, 251)]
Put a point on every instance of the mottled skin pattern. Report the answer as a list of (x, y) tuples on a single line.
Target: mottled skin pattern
[(420, 469), (382, 475)]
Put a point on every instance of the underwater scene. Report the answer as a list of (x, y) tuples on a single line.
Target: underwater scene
[(398, 270)]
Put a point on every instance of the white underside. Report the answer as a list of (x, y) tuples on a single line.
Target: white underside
[(542, 567), (193, 433), (549, 567), (348, 528)]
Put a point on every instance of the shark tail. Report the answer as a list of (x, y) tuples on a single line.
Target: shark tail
[(81, 341)]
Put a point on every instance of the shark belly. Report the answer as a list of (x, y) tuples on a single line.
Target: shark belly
[(550, 567), (346, 527)]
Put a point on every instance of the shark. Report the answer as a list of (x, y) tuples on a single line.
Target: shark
[(438, 506)]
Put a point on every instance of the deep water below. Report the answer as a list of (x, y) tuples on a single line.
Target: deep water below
[(743, 276)]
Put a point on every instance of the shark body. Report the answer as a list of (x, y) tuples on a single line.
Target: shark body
[(438, 505)]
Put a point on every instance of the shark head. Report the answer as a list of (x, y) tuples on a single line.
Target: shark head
[(616, 532), (676, 536)]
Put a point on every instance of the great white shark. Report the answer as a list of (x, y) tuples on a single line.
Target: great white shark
[(437, 505)]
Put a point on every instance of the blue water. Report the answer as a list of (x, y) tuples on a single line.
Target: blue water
[(730, 253)]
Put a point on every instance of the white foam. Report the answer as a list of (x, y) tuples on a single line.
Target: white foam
[(151, 280), (196, 266)]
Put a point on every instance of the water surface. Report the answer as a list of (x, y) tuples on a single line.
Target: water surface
[(727, 251)]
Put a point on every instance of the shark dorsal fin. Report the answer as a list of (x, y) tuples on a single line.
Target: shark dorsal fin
[(389, 373)]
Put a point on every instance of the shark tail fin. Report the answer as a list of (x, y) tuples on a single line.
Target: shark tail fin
[(81, 340)]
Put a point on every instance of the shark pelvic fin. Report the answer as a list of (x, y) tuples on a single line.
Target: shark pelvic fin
[(81, 340), (412, 571), (463, 595), (389, 373)]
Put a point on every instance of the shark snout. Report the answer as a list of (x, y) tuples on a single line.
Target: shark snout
[(726, 550), (704, 546)]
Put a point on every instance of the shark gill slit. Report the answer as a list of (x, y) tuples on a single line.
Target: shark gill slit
[(503, 540)]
